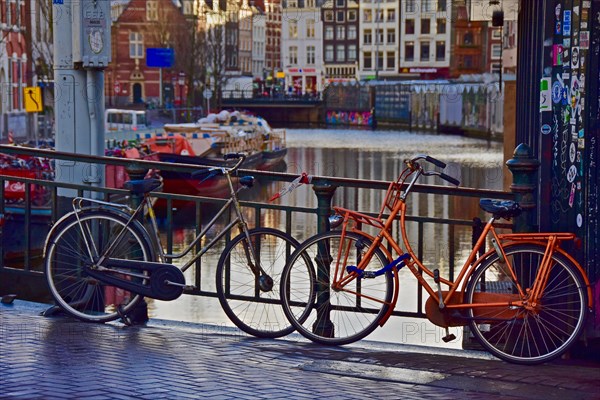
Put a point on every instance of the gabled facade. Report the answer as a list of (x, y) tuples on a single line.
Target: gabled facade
[(340, 39), (143, 24), (301, 47)]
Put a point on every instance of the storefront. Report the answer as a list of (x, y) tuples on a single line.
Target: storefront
[(303, 81)]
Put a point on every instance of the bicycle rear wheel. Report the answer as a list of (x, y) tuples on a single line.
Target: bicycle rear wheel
[(251, 299), (328, 315), (68, 257), (518, 334)]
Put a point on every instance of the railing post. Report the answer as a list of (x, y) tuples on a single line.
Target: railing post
[(323, 325), (524, 167), (139, 314)]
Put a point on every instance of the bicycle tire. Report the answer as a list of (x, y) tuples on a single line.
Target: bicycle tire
[(524, 336), (255, 311), (325, 315), (66, 258)]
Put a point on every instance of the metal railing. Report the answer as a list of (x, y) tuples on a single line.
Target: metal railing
[(324, 188)]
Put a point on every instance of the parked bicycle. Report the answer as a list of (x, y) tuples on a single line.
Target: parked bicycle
[(100, 260), (525, 300)]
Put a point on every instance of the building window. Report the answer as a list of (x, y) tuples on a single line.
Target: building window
[(367, 37), (136, 45), (468, 38), (410, 6), (310, 55), (340, 16), (310, 3), (496, 51), (293, 29), (310, 28), (409, 51), (341, 32), (341, 3), (352, 32), (497, 34), (391, 15), (368, 15), (409, 27), (329, 16), (352, 15), (329, 52), (341, 53), (352, 52), (440, 50), (367, 60), (329, 32), (441, 25), (391, 36), (441, 5), (292, 3), (390, 60), (425, 26), (424, 51), (426, 5), (152, 10), (293, 55), (495, 68)]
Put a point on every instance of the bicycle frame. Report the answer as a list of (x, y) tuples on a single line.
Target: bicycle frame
[(146, 203), (447, 299)]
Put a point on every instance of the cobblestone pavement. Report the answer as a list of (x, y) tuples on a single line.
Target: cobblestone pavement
[(46, 358)]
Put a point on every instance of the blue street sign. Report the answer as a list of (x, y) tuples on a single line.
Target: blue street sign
[(160, 57)]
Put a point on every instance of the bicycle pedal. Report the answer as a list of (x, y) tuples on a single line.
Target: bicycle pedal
[(449, 338), (189, 288)]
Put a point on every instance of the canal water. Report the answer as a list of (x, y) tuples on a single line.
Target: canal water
[(371, 155)]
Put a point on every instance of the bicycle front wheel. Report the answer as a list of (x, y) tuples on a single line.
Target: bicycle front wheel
[(250, 295), (536, 333), (324, 312), (71, 249)]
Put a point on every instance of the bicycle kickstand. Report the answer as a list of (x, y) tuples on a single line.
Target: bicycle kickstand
[(436, 277)]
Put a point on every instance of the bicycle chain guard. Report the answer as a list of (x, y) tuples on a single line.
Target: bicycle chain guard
[(164, 281)]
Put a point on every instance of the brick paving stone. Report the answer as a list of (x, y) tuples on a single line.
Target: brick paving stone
[(64, 358)]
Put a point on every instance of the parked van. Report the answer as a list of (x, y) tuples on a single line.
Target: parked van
[(125, 120)]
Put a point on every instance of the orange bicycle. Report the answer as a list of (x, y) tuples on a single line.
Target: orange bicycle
[(525, 300)]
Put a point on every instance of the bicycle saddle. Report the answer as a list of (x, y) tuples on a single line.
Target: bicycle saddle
[(506, 209), (142, 185)]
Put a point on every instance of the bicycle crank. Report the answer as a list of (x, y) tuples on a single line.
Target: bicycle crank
[(158, 281)]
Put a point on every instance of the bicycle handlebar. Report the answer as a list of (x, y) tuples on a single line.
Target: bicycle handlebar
[(210, 172), (415, 166)]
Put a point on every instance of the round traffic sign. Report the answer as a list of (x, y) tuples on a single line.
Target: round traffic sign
[(117, 87), (207, 93)]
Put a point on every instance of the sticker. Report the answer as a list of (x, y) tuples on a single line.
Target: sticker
[(572, 196), (575, 57), (557, 29), (581, 132), (557, 51), (572, 174), (546, 129), (579, 220), (556, 92), (572, 152), (584, 39), (545, 95), (586, 4), (567, 42), (565, 96), (567, 23)]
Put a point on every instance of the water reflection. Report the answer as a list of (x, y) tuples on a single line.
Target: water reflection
[(372, 155)]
